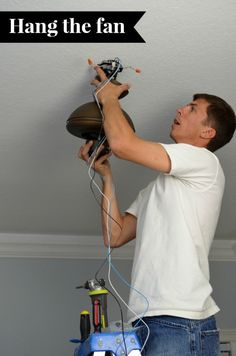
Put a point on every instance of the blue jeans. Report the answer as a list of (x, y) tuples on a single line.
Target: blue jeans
[(173, 336)]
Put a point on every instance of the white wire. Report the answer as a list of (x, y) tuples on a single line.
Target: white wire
[(109, 257), (103, 84), (109, 274)]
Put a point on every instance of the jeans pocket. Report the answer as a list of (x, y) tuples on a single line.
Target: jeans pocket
[(210, 343)]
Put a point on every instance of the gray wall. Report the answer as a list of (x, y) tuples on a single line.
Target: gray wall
[(40, 307), (223, 280)]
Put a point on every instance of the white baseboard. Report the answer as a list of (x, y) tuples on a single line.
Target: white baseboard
[(86, 247)]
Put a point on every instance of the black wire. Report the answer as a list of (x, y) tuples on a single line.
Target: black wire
[(106, 260), (122, 318), (98, 201), (105, 211), (111, 250)]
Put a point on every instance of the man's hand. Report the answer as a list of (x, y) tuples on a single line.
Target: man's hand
[(100, 165), (107, 92)]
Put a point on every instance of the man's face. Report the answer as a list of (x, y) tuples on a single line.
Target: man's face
[(189, 122)]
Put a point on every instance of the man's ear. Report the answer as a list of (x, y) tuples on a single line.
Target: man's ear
[(208, 132)]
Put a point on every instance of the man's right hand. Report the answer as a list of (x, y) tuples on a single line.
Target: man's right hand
[(100, 165)]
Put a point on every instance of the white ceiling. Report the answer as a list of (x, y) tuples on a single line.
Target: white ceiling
[(44, 189)]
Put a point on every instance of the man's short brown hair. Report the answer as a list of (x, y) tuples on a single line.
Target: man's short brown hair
[(221, 117)]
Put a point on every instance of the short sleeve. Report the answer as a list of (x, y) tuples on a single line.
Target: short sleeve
[(134, 207), (196, 166)]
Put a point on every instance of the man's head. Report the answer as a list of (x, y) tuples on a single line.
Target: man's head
[(208, 121)]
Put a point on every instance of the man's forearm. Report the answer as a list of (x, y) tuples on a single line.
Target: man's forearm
[(115, 124), (112, 223)]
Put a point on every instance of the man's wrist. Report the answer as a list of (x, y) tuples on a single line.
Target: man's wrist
[(106, 179), (107, 101)]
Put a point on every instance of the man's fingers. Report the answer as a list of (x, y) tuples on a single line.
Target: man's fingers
[(103, 158), (83, 151), (101, 73), (125, 86), (95, 82)]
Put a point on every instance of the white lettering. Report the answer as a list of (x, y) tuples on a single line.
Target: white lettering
[(18, 26), (15, 25), (119, 27), (108, 27), (70, 26), (99, 24), (52, 32)]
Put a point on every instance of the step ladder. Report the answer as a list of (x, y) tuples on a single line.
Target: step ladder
[(104, 344)]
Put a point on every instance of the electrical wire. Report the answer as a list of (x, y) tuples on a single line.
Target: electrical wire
[(122, 320), (108, 215), (109, 249), (110, 264), (96, 91), (109, 218)]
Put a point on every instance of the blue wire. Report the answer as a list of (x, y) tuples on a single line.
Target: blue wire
[(131, 287)]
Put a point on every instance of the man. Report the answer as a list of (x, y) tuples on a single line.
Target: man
[(173, 220)]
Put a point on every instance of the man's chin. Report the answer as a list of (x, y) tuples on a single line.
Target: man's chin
[(172, 137)]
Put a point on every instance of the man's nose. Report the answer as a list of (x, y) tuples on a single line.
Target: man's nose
[(179, 111)]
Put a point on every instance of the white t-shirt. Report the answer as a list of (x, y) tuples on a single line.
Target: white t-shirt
[(177, 216)]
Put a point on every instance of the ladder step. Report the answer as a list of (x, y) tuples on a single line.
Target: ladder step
[(104, 344)]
